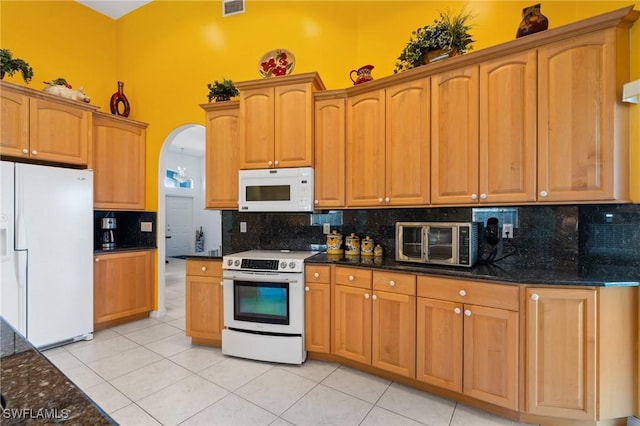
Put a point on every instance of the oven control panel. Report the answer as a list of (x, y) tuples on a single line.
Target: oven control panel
[(266, 260)]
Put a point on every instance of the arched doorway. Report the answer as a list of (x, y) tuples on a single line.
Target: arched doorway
[(183, 148)]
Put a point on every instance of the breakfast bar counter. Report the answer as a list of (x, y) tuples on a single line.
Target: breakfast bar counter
[(35, 392)]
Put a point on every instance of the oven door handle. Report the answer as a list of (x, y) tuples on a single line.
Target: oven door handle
[(259, 277)]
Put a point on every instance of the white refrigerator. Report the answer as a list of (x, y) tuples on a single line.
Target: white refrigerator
[(46, 252)]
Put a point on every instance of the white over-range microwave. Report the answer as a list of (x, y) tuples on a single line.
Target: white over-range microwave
[(276, 190)]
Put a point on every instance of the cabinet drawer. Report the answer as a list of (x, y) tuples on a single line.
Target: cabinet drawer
[(208, 268), (317, 274), (353, 277), (394, 282), (501, 296)]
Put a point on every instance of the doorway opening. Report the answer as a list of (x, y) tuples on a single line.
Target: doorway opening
[(182, 217)]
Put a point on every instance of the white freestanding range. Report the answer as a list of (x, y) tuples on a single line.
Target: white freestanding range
[(263, 301), (46, 252)]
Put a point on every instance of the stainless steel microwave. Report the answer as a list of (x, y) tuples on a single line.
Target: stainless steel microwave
[(440, 243), (276, 190)]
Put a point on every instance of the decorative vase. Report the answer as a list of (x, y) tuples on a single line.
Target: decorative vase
[(120, 98), (533, 21), (363, 74)]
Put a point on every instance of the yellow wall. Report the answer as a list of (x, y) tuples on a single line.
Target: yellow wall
[(167, 52)]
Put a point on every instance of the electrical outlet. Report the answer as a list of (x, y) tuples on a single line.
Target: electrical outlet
[(326, 228), (243, 226), (507, 230), (146, 226)]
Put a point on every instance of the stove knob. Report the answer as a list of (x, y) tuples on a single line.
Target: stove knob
[(283, 264), (292, 265), (237, 262), (230, 262)]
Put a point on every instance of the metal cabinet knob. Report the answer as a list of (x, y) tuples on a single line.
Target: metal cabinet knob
[(543, 194), (316, 275), (316, 202), (535, 297), (351, 278), (467, 312), (97, 259), (306, 288), (387, 199), (276, 162), (374, 297), (366, 295), (25, 151), (462, 293), (483, 196), (34, 152), (204, 269), (380, 200), (392, 283), (474, 196), (457, 310), (221, 283), (270, 163)]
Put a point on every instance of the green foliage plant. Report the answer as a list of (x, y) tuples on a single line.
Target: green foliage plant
[(10, 65), (221, 91)]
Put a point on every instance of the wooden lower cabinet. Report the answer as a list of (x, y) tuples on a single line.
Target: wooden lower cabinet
[(467, 347), (317, 309), (581, 352), (372, 326), (203, 301), (122, 287)]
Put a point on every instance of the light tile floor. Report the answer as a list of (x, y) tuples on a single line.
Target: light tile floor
[(148, 373)]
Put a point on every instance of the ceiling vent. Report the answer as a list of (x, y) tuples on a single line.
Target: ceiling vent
[(232, 7)]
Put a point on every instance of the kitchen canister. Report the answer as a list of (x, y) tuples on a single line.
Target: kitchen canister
[(378, 251), (352, 245), (334, 243), (366, 247)]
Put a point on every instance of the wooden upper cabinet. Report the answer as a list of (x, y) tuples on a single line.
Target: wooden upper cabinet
[(508, 114), (221, 155), (365, 149), (119, 159), (276, 121), (329, 148), (582, 147), (407, 171), (44, 127), (454, 136)]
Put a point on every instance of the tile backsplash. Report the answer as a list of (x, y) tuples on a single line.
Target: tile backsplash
[(570, 237)]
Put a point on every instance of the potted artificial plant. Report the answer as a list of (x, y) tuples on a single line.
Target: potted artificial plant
[(222, 91), (447, 36), (10, 65)]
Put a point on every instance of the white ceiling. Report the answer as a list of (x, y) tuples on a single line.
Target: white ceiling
[(192, 139), (114, 9)]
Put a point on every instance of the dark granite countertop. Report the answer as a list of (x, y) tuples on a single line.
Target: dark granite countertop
[(547, 274), (36, 392), (203, 255), (122, 248)]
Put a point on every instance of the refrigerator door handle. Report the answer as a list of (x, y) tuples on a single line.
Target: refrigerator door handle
[(21, 228)]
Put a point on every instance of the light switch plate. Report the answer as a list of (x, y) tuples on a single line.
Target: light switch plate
[(243, 226), (146, 226), (326, 228), (507, 230)]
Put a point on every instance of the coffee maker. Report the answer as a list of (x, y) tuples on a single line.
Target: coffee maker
[(108, 233)]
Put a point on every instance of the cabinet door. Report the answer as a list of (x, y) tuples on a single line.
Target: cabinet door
[(352, 323), (222, 156), (394, 331), (257, 128), (119, 158), (454, 136), (293, 126), (203, 307), (577, 101), (561, 353), (14, 131), (317, 317), (59, 132), (439, 343), (329, 147), (407, 170), (122, 285), (365, 150), (508, 114), (491, 355)]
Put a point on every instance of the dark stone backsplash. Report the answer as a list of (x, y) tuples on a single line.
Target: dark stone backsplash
[(584, 238), (128, 233)]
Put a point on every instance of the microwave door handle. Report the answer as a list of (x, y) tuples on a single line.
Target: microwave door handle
[(425, 244)]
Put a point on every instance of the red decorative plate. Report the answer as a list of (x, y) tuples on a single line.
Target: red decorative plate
[(276, 63)]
